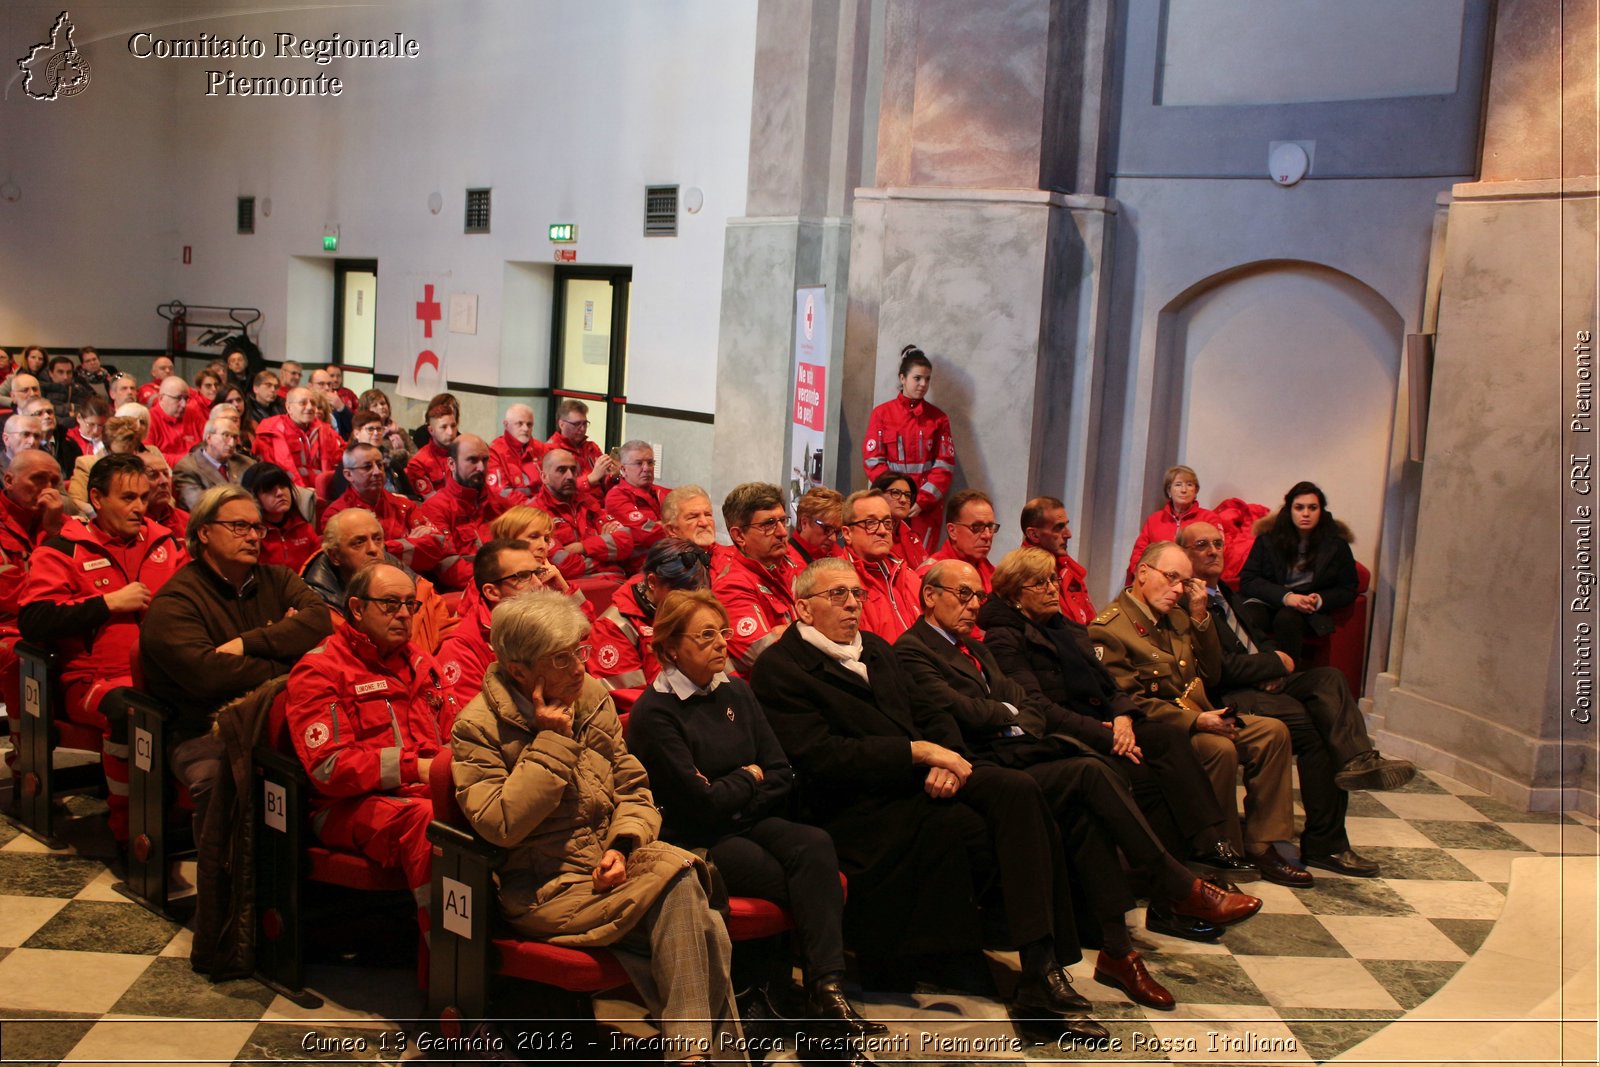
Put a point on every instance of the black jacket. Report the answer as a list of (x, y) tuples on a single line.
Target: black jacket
[(1055, 663), (1241, 668), (1333, 572)]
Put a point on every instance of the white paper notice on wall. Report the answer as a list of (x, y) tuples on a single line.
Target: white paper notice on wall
[(597, 349), (464, 313), (456, 907)]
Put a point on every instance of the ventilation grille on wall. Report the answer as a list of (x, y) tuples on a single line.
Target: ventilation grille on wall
[(477, 211), (247, 214), (661, 211)]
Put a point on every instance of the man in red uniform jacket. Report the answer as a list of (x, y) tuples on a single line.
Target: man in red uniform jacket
[(755, 582), (451, 525), (969, 529), (636, 500), (363, 470), (430, 467), (86, 595), (893, 589), (502, 569), (170, 430), (163, 509), (160, 370), (368, 711), (588, 541), (1045, 524), (31, 510), (514, 459), (595, 468), (623, 657), (298, 441)]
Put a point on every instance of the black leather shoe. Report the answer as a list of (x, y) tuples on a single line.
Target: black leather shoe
[(1225, 857), (1274, 869), (1370, 770), (827, 1003), (1084, 1030), (1159, 919), (1348, 862), (1051, 991)]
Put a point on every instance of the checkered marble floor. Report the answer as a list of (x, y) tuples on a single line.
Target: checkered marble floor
[(86, 976)]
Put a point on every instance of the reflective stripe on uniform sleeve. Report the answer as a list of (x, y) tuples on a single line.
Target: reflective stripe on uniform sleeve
[(629, 680), (323, 772), (389, 768)]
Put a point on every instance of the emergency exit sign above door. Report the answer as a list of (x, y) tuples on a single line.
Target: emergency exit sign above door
[(564, 233)]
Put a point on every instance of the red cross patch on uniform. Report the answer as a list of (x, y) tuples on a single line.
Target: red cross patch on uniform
[(316, 735), (608, 657), (452, 673), (747, 626)]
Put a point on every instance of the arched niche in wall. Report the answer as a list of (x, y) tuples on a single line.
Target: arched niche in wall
[(1278, 371)]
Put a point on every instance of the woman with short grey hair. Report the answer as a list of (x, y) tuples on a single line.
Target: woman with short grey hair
[(540, 769)]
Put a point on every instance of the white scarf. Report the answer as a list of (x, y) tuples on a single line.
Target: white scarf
[(848, 656)]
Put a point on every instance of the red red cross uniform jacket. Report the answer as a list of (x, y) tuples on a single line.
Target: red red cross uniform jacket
[(514, 474), (75, 569), (19, 536), (465, 655), (393, 512), (759, 599), (913, 438), (580, 547), (428, 469), (291, 543), (1163, 524), (1075, 602), (174, 437), (303, 453), (623, 658), (908, 547), (984, 568), (893, 590), (360, 721), (640, 511), (447, 530)]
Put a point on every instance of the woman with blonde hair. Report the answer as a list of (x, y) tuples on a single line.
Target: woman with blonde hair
[(123, 433), (1181, 486)]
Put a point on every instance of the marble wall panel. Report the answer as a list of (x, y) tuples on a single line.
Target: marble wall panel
[(1541, 103)]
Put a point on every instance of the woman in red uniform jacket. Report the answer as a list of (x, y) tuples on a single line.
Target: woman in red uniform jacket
[(910, 436)]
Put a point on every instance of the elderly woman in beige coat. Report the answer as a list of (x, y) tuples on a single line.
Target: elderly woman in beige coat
[(540, 768)]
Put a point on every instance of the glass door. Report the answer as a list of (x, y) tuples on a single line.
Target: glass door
[(355, 317), (589, 350)]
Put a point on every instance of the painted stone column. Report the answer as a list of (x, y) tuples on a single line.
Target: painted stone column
[(1487, 685)]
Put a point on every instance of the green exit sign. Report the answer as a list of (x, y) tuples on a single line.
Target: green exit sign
[(563, 232), (330, 243)]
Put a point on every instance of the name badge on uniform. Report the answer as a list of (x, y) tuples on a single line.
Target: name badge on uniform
[(380, 686), (95, 564)]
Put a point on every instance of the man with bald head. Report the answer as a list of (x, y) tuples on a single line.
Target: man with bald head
[(22, 432), (170, 430), (160, 370), (1331, 745), (299, 441), (586, 539), (368, 711), (514, 458), (24, 387), (449, 527), (1159, 641)]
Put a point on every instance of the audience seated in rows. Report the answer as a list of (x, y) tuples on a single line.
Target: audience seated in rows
[(215, 461), (624, 652), (636, 500), (351, 541), (901, 492), (818, 522), (298, 441), (589, 541), (429, 468), (596, 469), (1045, 525), (892, 588), (514, 458), (755, 581), (969, 533), (449, 527), (1181, 488)]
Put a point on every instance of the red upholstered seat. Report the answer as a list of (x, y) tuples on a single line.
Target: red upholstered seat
[(598, 590), (623, 699), (566, 968), (452, 600), (1346, 647)]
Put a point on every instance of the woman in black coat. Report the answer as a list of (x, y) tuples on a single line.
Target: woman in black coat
[(1299, 571), (721, 781), (1052, 658)]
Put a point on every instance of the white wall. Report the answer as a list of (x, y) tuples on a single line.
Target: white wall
[(565, 108), (1290, 374)]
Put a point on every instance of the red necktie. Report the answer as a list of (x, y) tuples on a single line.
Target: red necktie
[(967, 652)]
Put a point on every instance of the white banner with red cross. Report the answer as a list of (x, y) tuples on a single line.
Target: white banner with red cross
[(422, 374)]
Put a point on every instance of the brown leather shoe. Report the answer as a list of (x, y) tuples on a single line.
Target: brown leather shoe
[(1129, 975), (1274, 869), (1214, 905)]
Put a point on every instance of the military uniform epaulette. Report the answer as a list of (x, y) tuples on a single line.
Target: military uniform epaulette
[(1111, 612)]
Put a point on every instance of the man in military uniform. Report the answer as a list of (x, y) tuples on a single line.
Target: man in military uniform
[(1159, 642)]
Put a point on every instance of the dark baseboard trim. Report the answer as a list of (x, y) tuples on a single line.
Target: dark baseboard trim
[(679, 414)]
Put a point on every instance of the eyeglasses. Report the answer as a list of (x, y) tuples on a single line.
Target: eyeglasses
[(964, 595), (771, 526), (238, 527), (372, 466), (391, 605), (575, 424), (1215, 542), (828, 530), (672, 568), (874, 525), (566, 660), (1172, 577), (837, 596), (979, 528), (1048, 582), (899, 494), (708, 637), (641, 463), (518, 578)]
